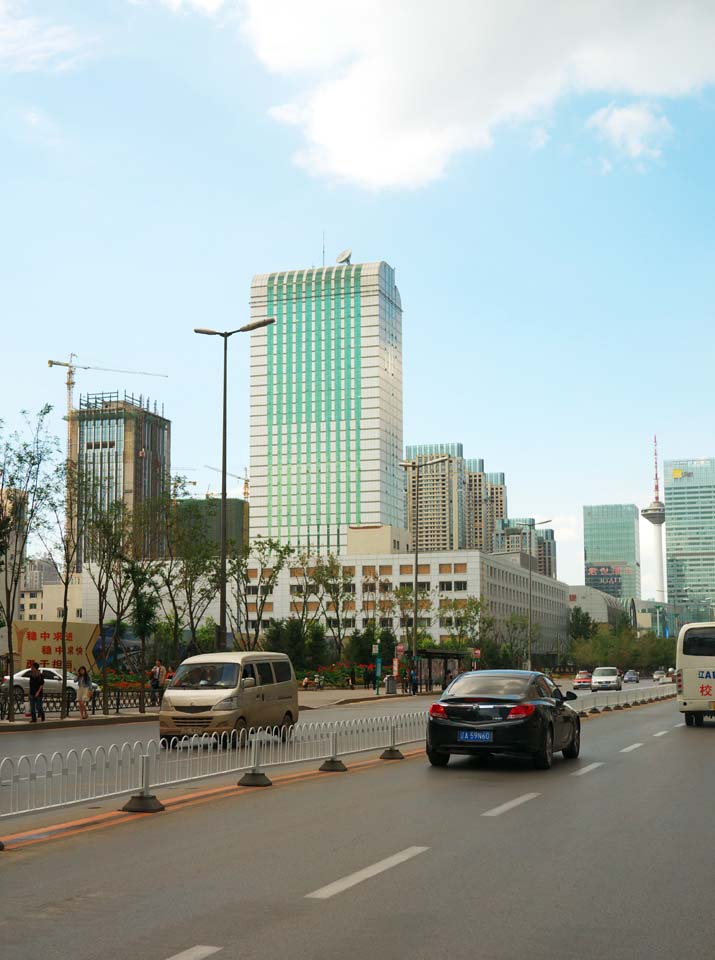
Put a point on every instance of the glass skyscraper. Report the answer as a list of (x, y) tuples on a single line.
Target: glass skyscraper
[(326, 404), (690, 533), (612, 549)]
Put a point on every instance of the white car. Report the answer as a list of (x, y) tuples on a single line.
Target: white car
[(605, 678), (52, 684)]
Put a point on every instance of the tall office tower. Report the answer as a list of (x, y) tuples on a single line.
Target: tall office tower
[(123, 451), (690, 534), (547, 552), (326, 404), (612, 549), (486, 503), (442, 496)]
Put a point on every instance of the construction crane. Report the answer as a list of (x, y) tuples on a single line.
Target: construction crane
[(71, 367), (235, 476)]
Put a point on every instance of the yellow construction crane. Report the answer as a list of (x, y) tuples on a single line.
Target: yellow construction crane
[(71, 367), (235, 476)]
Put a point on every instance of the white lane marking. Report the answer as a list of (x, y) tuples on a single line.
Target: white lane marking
[(633, 746), (354, 878), (510, 804), (679, 725), (195, 953), (588, 769), (661, 734)]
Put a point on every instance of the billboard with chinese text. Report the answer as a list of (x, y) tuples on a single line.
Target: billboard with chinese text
[(41, 641)]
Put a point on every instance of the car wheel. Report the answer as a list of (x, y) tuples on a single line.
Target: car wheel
[(689, 719), (437, 759), (699, 719), (574, 748), (545, 756), (19, 694)]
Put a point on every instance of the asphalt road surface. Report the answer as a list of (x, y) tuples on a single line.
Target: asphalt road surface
[(609, 855)]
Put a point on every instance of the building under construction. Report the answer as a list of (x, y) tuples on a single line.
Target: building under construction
[(121, 449)]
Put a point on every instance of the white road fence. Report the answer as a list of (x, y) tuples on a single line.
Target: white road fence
[(49, 781)]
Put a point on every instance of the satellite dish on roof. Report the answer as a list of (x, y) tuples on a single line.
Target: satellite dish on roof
[(344, 257)]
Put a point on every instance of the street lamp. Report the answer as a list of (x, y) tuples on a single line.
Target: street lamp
[(530, 528), (221, 629), (415, 465)]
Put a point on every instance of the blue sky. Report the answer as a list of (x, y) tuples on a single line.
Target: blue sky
[(548, 212)]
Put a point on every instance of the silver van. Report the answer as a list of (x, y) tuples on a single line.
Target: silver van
[(223, 692)]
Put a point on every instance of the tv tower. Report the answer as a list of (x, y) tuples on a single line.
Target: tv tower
[(655, 514)]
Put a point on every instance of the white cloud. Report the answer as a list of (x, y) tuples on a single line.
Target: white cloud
[(539, 138), (208, 7), (388, 93), (40, 128), (638, 131), (33, 43)]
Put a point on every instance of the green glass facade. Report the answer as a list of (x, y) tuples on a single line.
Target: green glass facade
[(326, 403), (690, 532), (611, 544)]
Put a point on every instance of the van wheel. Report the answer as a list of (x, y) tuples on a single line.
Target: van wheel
[(689, 719), (699, 719), (240, 732), (286, 727)]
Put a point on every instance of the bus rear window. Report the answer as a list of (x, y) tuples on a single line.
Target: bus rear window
[(699, 642)]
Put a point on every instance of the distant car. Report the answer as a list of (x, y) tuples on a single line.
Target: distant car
[(658, 675), (605, 678), (582, 679), (631, 677), (509, 712), (52, 683), (666, 678)]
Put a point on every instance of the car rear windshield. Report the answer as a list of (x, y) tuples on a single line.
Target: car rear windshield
[(488, 686), (699, 642), (206, 676), (605, 672)]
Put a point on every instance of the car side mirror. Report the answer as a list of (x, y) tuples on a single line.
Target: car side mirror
[(570, 695), (248, 682)]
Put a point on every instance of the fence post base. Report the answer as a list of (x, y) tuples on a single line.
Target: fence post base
[(594, 710), (618, 707), (391, 753), (333, 765), (141, 804), (254, 778), (2, 845)]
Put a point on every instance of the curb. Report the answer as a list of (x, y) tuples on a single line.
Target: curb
[(100, 721)]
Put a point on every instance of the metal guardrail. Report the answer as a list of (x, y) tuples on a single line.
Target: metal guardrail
[(29, 784), (120, 698)]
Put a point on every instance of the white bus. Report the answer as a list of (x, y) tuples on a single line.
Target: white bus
[(695, 672)]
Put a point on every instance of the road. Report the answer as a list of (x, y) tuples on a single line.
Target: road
[(607, 855)]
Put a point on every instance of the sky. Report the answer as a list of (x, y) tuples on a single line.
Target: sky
[(539, 175)]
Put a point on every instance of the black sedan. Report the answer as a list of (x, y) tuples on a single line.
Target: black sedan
[(518, 713)]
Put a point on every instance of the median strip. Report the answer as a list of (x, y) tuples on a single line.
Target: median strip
[(339, 886)]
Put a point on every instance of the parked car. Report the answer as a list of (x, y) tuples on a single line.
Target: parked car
[(606, 678), (582, 679), (510, 712), (631, 677), (52, 684)]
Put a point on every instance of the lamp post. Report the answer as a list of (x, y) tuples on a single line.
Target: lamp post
[(530, 528), (221, 628), (415, 465)]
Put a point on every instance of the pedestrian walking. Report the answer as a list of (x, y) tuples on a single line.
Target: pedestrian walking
[(84, 690), (353, 677), (413, 681), (158, 676), (37, 683)]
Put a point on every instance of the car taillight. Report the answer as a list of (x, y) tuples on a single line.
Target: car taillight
[(438, 711), (520, 711), (679, 681)]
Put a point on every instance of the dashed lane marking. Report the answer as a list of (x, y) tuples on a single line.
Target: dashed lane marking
[(510, 804), (633, 746), (661, 733), (324, 893), (588, 769), (196, 953)]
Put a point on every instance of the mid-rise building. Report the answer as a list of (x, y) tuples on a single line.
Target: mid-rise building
[(690, 532), (123, 451), (612, 549), (326, 403), (437, 475)]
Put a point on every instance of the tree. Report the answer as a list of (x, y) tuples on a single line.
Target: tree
[(515, 643), (581, 626), (252, 574), (25, 486), (305, 594), (145, 604), (337, 599)]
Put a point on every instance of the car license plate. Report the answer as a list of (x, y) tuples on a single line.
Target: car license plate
[(482, 736)]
